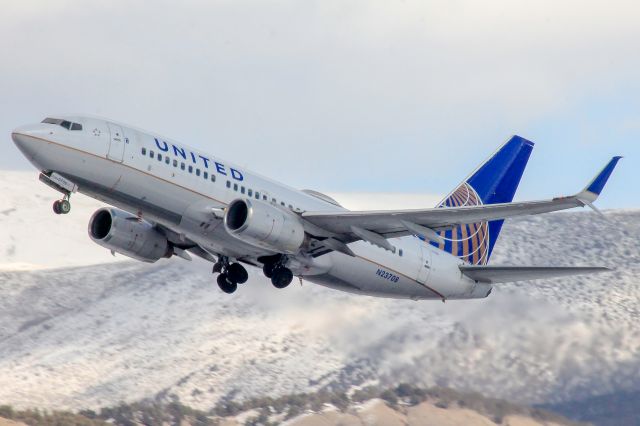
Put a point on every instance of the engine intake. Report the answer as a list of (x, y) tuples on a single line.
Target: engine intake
[(122, 232), (264, 225)]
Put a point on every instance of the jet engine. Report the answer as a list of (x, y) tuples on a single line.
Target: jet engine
[(264, 225), (124, 233)]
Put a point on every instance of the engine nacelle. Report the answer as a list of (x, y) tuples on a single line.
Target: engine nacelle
[(264, 225), (122, 232)]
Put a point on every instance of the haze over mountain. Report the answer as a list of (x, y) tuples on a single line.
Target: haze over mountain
[(91, 336)]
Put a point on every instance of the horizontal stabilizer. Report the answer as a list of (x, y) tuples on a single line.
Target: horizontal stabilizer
[(506, 274)]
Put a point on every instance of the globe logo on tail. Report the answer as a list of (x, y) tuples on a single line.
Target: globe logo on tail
[(469, 242)]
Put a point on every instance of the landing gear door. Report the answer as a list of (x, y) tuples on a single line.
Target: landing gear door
[(116, 143), (425, 265)]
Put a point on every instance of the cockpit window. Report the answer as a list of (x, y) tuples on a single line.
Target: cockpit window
[(64, 123)]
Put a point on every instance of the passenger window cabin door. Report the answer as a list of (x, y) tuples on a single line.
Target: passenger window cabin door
[(116, 143)]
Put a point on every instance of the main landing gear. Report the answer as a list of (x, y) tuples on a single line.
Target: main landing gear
[(280, 275), (231, 274), (62, 206)]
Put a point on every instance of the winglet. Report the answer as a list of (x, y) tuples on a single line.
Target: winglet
[(599, 181), (591, 192)]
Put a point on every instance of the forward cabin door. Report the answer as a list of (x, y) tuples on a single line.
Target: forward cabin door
[(425, 264), (116, 143)]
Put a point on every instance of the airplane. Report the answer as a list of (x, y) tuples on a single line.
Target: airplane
[(172, 200)]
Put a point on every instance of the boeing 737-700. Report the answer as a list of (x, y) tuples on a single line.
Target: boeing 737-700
[(171, 200)]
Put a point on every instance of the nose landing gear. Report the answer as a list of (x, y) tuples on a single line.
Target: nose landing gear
[(60, 184)]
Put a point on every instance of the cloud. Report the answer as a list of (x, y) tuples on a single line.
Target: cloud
[(342, 96)]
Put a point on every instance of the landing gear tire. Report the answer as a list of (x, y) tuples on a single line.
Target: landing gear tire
[(226, 285), (64, 206), (268, 269), (237, 273), (61, 206), (282, 277)]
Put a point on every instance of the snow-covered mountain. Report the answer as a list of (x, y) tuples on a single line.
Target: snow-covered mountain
[(89, 336), (33, 237)]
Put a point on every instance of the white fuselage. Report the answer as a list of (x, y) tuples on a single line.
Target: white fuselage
[(143, 174)]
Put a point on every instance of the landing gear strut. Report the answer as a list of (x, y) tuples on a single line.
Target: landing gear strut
[(231, 274), (62, 206)]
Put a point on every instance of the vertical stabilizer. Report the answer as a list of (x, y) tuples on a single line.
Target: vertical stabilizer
[(495, 181)]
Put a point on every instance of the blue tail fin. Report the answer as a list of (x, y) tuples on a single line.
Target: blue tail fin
[(495, 181)]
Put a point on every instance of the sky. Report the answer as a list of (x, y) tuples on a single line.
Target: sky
[(349, 96)]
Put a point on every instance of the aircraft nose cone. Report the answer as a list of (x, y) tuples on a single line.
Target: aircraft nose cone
[(24, 137), (20, 136)]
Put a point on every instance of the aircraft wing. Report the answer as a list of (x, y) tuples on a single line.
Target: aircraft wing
[(505, 274), (376, 226)]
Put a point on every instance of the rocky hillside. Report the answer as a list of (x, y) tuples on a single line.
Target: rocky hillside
[(401, 406)]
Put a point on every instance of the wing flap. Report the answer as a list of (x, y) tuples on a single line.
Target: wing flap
[(506, 274)]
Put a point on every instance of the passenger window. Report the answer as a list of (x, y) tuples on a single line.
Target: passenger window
[(257, 195), (151, 154), (190, 169), (264, 197), (159, 157), (228, 184), (213, 177), (290, 207), (175, 163), (400, 252), (235, 186), (144, 151), (282, 203), (205, 175), (250, 192), (182, 166), (197, 172), (242, 189), (167, 160)]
